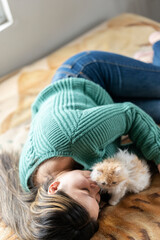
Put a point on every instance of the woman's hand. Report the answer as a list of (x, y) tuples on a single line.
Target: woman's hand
[(158, 167)]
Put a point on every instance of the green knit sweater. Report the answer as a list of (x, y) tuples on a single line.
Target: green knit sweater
[(77, 118)]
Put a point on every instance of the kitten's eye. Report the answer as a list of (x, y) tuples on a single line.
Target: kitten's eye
[(114, 182)]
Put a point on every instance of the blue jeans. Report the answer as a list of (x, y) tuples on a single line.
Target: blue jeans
[(124, 78)]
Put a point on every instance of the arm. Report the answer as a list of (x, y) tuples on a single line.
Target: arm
[(103, 125)]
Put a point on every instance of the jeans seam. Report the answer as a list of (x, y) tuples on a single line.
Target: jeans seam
[(117, 64), (76, 60), (66, 66), (70, 66), (83, 75), (66, 72)]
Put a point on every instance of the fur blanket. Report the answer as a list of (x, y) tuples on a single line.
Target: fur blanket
[(137, 216)]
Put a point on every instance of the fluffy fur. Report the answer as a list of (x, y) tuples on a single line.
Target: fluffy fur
[(123, 173)]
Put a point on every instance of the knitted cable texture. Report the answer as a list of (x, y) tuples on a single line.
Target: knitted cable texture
[(76, 117)]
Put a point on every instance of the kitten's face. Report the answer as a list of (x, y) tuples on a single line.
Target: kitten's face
[(108, 174)]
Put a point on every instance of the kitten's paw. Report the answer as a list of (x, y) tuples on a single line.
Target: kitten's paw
[(111, 202)]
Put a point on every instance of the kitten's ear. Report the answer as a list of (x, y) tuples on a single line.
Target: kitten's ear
[(117, 170)]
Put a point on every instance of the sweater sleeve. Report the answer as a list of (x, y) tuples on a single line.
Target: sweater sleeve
[(100, 126)]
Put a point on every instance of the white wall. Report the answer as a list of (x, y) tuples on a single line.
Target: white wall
[(41, 26)]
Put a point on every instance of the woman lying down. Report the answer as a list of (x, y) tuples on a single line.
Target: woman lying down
[(94, 98)]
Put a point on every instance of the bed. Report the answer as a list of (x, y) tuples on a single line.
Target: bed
[(137, 216)]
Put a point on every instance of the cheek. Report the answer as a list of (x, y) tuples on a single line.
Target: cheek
[(81, 183), (92, 208), (75, 180), (88, 203)]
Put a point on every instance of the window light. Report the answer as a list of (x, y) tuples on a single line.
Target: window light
[(5, 15)]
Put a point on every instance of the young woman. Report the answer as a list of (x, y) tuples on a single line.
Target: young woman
[(95, 97)]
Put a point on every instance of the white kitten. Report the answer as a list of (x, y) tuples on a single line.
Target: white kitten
[(123, 173)]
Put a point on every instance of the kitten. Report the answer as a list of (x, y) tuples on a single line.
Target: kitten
[(120, 174)]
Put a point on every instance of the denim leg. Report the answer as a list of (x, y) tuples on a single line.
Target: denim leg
[(125, 79), (156, 56), (150, 106), (121, 76), (71, 67)]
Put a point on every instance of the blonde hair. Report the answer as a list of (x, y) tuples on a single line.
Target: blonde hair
[(38, 215), (14, 203)]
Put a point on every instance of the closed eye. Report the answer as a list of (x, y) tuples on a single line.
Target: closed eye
[(86, 189), (114, 182)]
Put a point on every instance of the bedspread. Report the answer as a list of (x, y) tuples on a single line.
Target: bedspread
[(137, 216)]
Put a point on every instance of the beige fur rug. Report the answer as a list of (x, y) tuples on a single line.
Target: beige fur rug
[(136, 217)]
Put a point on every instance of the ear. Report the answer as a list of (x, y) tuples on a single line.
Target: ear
[(53, 187), (117, 170)]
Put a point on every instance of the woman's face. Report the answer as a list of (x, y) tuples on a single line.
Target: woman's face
[(78, 185)]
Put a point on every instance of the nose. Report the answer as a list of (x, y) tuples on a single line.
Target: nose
[(94, 187)]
